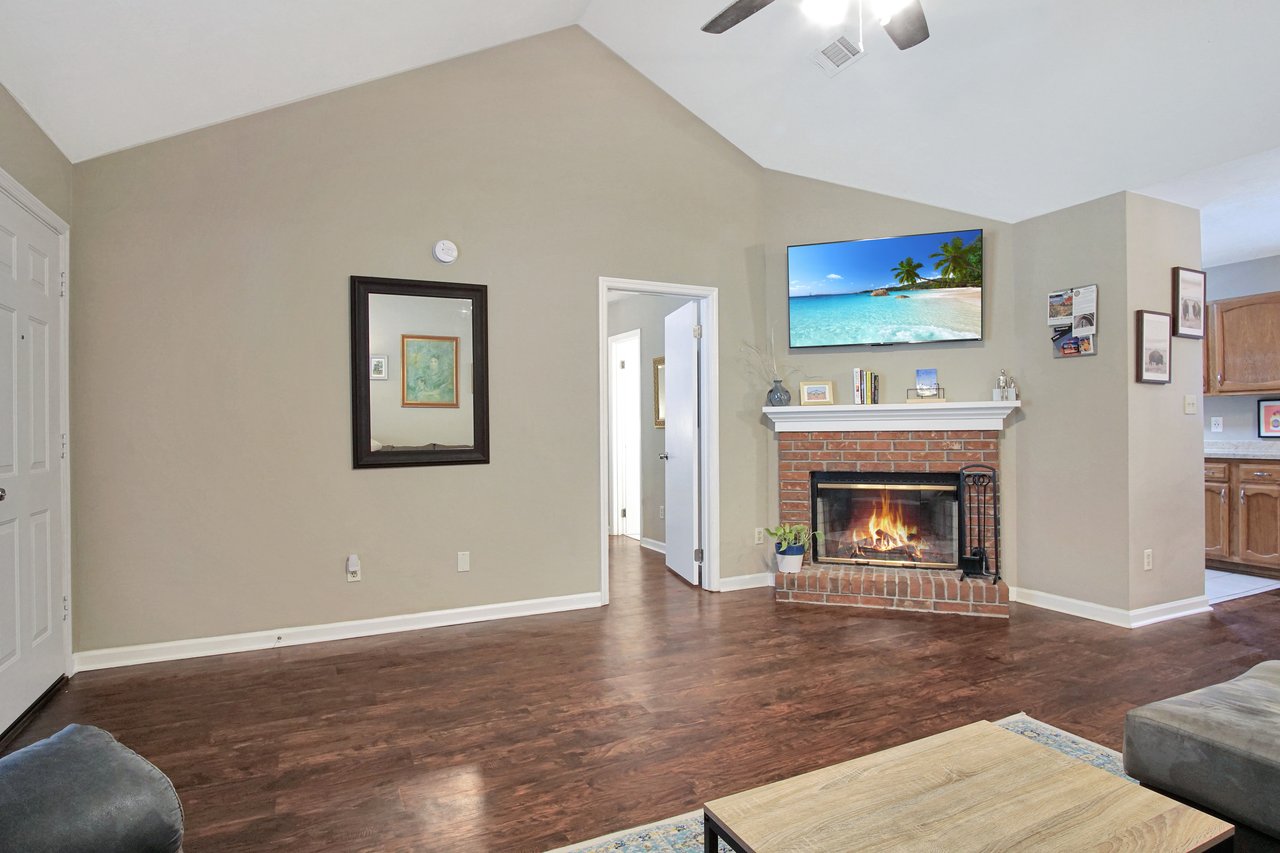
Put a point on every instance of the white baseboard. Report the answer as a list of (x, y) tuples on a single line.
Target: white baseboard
[(653, 545), (738, 582), (1111, 615), (257, 640)]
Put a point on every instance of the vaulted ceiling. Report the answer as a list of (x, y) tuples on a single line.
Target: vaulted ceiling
[(1011, 109)]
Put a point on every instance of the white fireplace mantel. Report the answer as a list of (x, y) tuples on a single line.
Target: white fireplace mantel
[(892, 416)]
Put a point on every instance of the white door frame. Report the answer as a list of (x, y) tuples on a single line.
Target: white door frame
[(709, 431), (617, 461), (9, 186)]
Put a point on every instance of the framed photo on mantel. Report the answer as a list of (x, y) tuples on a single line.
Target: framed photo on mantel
[(1155, 347)]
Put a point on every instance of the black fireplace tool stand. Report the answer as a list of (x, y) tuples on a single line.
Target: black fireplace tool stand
[(981, 503)]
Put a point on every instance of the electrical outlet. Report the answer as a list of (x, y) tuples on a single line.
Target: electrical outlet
[(464, 561), (662, 511), (353, 568), (1215, 424), (1190, 404), (759, 535), (1147, 562)]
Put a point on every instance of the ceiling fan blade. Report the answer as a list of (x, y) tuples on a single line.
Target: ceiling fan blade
[(734, 14), (908, 27)]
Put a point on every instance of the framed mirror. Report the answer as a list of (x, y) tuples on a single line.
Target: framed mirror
[(419, 373)]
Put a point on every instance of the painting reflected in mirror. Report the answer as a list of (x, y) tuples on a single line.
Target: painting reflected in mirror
[(433, 407)]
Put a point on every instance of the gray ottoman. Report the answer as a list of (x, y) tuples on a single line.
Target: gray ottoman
[(1219, 748), (81, 791)]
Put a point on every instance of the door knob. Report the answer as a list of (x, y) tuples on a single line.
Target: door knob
[(3, 494), (664, 457)]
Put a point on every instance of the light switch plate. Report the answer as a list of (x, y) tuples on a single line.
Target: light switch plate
[(1190, 404)]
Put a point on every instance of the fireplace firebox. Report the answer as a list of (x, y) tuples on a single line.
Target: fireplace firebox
[(905, 520)]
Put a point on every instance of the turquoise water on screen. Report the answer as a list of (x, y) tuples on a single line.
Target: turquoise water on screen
[(859, 318)]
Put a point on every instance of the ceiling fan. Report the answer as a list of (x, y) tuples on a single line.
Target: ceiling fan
[(903, 20)]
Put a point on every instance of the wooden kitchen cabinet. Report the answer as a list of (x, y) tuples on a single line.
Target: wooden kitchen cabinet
[(1243, 345), (1258, 526), (1242, 514), (1217, 511)]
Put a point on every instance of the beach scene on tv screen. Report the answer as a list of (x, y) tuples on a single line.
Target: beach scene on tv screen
[(926, 287)]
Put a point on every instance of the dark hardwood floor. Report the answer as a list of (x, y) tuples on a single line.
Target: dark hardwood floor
[(527, 734)]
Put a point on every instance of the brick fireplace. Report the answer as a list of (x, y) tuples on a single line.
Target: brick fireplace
[(918, 439)]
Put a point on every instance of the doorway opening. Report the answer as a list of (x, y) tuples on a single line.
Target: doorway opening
[(678, 514), (626, 478)]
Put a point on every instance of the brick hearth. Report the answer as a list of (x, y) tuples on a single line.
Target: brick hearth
[(930, 590), (882, 588)]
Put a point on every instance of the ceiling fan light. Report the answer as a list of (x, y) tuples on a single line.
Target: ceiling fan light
[(884, 10), (826, 13)]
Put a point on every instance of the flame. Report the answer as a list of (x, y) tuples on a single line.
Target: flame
[(886, 530)]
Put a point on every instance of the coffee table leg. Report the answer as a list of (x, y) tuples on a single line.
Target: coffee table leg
[(712, 835)]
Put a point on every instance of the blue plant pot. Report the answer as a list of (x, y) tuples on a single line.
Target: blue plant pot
[(790, 550)]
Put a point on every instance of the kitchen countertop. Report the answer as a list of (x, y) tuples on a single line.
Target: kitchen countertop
[(1254, 449)]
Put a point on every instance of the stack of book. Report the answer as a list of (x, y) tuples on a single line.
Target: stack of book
[(866, 387)]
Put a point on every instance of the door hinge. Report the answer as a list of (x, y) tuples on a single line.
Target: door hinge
[(62, 289), (697, 555), (697, 331), (64, 445), (624, 512), (66, 608)]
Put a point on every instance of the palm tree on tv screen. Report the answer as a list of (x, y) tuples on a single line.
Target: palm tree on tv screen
[(907, 271), (960, 263)]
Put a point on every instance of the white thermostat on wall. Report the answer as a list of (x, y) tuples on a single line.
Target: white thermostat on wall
[(445, 251)]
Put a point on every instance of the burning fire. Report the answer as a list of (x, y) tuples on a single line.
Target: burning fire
[(886, 530)]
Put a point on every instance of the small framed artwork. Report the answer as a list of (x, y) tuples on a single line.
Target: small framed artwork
[(660, 392), (821, 393), (429, 369), (1269, 419), (1155, 347), (377, 367), (1188, 302)]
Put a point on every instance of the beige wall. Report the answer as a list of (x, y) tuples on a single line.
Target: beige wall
[(1166, 445), (799, 210), (28, 155), (1108, 467), (1072, 444), (213, 489)]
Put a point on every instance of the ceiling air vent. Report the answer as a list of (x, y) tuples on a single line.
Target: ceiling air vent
[(838, 56)]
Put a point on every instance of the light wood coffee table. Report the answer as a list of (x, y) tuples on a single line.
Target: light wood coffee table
[(978, 788)]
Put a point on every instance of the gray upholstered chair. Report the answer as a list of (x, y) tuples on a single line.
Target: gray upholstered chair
[(82, 791), (1217, 748)]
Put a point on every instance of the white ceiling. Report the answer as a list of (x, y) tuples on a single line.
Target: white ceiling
[(1011, 109)]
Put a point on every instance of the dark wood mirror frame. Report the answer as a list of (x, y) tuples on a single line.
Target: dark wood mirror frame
[(363, 454)]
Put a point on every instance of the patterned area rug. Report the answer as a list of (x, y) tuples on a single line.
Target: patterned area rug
[(683, 833)]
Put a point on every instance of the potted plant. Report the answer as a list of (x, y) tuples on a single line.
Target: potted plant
[(791, 541)]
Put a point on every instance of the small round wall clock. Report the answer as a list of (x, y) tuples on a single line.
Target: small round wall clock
[(445, 251)]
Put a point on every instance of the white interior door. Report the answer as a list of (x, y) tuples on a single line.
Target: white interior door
[(624, 434), (33, 643), (683, 521)]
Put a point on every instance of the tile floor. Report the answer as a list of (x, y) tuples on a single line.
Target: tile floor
[(1224, 586)]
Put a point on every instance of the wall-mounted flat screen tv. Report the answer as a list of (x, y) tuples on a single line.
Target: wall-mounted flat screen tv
[(895, 290)]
